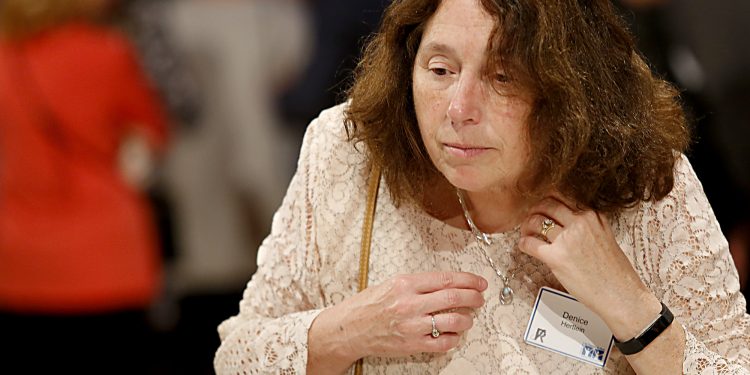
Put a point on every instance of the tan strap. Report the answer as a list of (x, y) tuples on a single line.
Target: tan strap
[(364, 256)]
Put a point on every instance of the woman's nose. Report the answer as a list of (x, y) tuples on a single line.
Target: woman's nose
[(466, 104)]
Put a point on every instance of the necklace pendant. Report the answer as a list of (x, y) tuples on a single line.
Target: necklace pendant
[(506, 295)]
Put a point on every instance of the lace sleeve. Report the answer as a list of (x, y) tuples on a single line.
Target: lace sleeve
[(269, 335), (689, 262)]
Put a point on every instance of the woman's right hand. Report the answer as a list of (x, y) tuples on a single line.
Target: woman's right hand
[(394, 319)]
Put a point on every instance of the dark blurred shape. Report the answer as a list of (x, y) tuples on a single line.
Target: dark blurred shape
[(161, 59), (341, 28), (702, 46), (79, 259)]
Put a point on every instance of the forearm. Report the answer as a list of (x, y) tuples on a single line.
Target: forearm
[(664, 355), (677, 351), (328, 350), (251, 344)]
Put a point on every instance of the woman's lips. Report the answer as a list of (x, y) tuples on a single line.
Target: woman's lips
[(464, 151)]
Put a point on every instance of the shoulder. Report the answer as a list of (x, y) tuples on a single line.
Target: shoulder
[(686, 188), (330, 122), (334, 168), (84, 40), (687, 191), (93, 50), (105, 38), (677, 238), (98, 44), (327, 143), (650, 222), (675, 227)]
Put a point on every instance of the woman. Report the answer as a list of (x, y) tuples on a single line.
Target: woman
[(79, 259), (523, 145)]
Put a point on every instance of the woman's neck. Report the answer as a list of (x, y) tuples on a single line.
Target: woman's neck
[(492, 211), (496, 211)]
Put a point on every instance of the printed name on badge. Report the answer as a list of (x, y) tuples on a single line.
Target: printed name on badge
[(561, 324)]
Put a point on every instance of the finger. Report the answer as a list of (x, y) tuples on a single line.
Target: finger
[(455, 322), (533, 246), (555, 210), (434, 281), (451, 299), (534, 226), (441, 344)]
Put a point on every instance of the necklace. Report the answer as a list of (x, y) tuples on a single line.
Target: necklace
[(506, 294)]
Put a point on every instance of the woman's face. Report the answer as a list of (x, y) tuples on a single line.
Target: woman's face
[(472, 121)]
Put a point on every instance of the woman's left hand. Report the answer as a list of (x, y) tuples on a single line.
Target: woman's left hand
[(582, 252)]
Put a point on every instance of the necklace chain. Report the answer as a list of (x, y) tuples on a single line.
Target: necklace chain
[(506, 295)]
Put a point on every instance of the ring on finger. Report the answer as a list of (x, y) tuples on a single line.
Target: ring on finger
[(547, 224), (435, 333)]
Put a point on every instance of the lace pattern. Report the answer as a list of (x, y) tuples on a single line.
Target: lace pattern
[(310, 262)]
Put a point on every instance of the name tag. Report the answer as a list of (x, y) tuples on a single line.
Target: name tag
[(561, 324)]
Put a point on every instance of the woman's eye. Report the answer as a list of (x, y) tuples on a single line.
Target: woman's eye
[(439, 71), (501, 78)]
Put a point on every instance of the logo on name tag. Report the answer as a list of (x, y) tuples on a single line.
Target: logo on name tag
[(540, 333), (595, 353)]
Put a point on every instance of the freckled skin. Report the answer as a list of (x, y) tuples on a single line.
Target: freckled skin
[(457, 103)]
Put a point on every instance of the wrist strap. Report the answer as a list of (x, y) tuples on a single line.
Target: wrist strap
[(638, 343)]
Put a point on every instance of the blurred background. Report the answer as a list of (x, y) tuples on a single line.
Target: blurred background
[(145, 145)]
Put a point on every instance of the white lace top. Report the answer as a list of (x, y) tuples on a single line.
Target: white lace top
[(310, 262)]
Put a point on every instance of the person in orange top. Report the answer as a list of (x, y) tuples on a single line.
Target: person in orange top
[(78, 248)]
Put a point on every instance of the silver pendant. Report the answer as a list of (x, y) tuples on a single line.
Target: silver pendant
[(506, 295)]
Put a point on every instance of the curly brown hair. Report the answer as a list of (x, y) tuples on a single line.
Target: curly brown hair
[(606, 132)]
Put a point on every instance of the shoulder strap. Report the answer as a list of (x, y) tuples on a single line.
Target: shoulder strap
[(372, 198), (364, 256)]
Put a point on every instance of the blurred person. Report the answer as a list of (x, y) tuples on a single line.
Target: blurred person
[(79, 129), (144, 21), (490, 150), (701, 46), (226, 172)]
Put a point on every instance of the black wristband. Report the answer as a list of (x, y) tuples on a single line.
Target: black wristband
[(636, 344)]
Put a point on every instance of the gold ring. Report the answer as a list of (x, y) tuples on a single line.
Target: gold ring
[(547, 224), (435, 332)]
